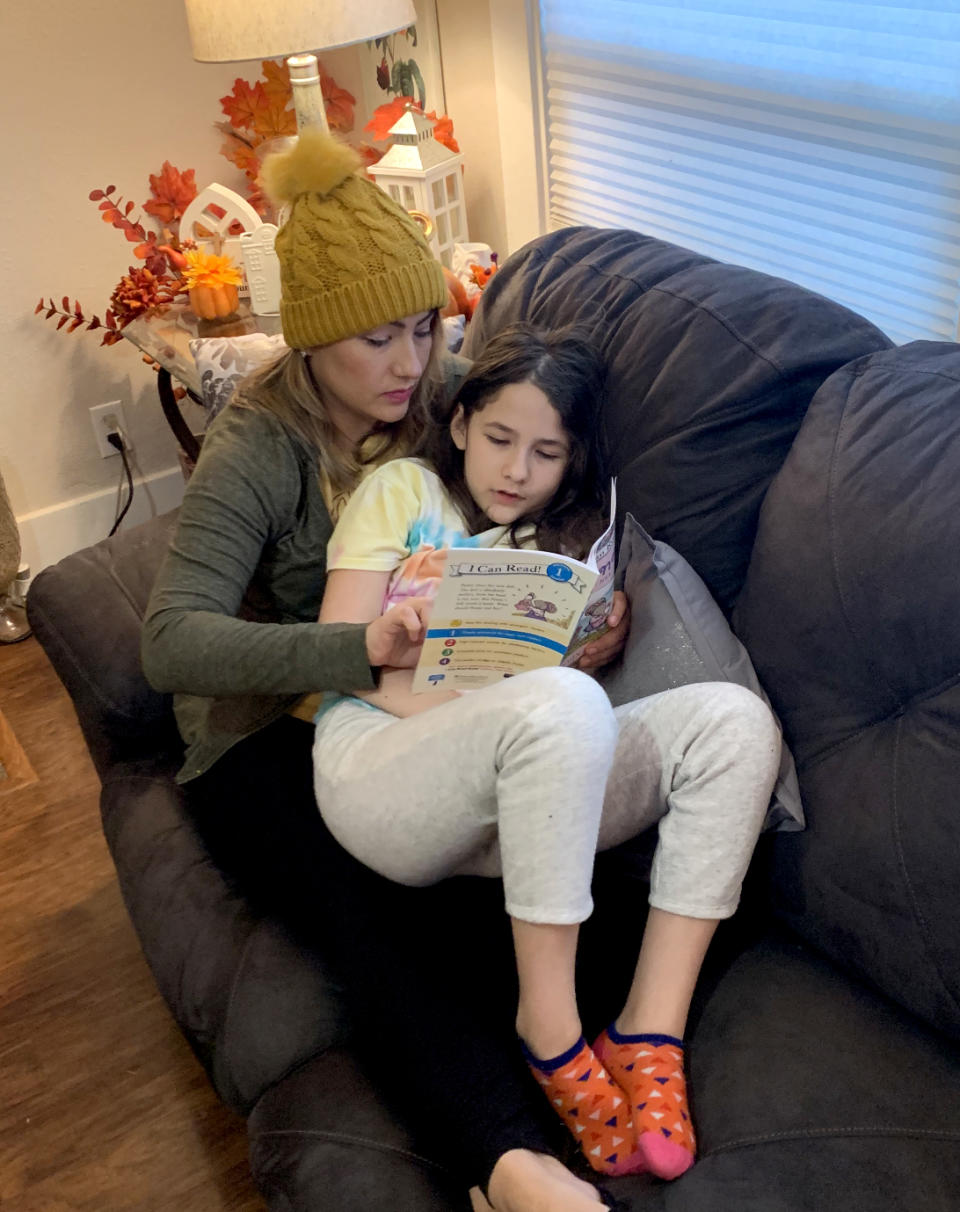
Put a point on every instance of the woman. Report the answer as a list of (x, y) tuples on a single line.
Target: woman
[(231, 631)]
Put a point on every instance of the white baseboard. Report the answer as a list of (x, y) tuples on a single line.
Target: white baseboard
[(47, 535)]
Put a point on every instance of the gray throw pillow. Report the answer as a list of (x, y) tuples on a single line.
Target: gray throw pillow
[(679, 635), (224, 362)]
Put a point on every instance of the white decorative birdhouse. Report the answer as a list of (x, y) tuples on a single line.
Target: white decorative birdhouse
[(423, 175), (214, 220)]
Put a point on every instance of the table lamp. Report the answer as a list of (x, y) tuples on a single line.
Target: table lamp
[(224, 31)]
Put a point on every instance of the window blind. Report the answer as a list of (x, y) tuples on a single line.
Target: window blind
[(818, 140)]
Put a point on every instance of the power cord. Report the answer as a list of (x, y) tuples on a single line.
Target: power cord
[(116, 440)]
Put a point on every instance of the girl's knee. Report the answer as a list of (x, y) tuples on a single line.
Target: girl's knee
[(575, 692), (568, 702), (747, 718), (745, 704)]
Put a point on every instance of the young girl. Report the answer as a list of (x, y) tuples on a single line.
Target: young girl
[(528, 778)]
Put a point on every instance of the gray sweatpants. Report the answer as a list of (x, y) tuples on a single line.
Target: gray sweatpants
[(529, 778)]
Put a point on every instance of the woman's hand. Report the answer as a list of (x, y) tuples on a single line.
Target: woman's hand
[(396, 637), (611, 643)]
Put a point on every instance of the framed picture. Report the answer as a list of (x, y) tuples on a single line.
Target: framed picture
[(405, 64)]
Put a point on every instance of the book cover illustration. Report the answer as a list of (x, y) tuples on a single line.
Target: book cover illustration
[(501, 611)]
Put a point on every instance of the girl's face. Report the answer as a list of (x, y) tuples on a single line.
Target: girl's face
[(515, 452), (370, 378)]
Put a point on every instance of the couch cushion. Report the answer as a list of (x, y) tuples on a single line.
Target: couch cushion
[(850, 613), (678, 636), (711, 368), (810, 1093)]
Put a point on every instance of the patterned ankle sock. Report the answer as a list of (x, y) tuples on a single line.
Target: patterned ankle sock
[(649, 1068), (592, 1106)]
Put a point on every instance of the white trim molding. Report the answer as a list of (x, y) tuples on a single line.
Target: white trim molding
[(47, 535)]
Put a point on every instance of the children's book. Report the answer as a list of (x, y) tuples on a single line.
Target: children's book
[(501, 611)]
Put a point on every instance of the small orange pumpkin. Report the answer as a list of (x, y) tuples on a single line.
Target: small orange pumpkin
[(213, 302), (212, 283)]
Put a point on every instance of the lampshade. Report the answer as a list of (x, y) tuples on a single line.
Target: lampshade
[(225, 30)]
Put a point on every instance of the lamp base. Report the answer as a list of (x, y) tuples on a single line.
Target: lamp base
[(307, 93), (13, 622)]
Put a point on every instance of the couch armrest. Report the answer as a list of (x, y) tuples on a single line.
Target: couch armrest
[(253, 1003), (87, 612)]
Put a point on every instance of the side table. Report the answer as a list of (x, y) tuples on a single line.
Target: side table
[(165, 339)]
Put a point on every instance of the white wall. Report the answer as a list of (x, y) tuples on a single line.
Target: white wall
[(94, 93), (488, 57)]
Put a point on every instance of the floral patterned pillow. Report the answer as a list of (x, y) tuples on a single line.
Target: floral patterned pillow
[(224, 361)]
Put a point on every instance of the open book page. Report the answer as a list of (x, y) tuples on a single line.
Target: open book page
[(499, 612), (603, 559)]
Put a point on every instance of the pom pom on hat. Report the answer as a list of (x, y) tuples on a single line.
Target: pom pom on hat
[(317, 164)]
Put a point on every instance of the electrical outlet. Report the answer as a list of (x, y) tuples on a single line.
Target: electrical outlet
[(107, 419)]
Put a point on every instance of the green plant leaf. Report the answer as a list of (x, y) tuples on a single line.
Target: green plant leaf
[(421, 87)]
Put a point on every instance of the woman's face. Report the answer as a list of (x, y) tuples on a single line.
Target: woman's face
[(370, 378)]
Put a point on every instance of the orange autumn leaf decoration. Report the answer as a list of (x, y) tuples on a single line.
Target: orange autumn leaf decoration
[(241, 105), (443, 131), (239, 150), (263, 111), (276, 82), (369, 155), (272, 121), (172, 191), (262, 108), (385, 115), (338, 103)]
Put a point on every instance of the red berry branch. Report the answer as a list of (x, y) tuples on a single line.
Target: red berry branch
[(146, 289)]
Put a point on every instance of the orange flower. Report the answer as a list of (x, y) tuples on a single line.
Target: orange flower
[(172, 191), (207, 269)]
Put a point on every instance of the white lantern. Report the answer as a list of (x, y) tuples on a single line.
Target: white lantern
[(424, 176)]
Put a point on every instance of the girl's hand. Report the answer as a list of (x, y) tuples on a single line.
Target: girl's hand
[(396, 637), (611, 643)]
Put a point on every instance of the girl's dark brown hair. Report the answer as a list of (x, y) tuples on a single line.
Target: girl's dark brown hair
[(567, 368)]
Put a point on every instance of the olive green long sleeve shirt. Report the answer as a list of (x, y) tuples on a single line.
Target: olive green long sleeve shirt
[(231, 624)]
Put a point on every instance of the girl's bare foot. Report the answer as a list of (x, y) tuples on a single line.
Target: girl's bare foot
[(524, 1181)]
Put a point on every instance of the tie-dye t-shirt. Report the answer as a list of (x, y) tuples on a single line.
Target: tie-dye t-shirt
[(397, 520)]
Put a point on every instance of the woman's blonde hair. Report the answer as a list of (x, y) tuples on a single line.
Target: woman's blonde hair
[(285, 388)]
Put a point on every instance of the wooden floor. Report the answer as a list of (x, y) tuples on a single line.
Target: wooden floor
[(103, 1107)]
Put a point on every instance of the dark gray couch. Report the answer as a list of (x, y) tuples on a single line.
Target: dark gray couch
[(811, 474)]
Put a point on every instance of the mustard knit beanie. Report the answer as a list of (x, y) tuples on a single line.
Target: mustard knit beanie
[(351, 258)]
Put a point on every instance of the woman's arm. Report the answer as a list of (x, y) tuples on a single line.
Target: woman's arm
[(250, 494), (355, 596)]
